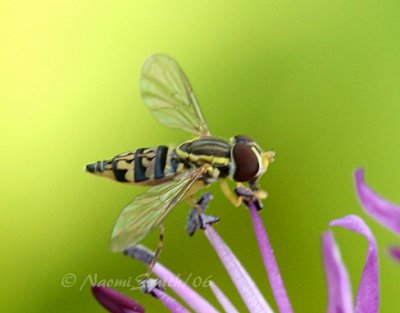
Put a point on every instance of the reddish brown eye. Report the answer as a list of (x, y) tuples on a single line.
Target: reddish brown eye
[(243, 139), (246, 163)]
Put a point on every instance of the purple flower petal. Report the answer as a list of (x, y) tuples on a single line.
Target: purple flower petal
[(223, 299), (191, 297), (339, 288), (248, 290), (395, 253), (173, 305), (382, 210), (368, 292), (270, 263), (116, 302)]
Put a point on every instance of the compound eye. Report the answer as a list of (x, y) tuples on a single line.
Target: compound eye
[(246, 163), (242, 139)]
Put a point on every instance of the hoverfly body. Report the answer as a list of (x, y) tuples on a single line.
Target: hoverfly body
[(177, 173)]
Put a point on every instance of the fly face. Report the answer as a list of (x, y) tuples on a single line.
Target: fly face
[(249, 161)]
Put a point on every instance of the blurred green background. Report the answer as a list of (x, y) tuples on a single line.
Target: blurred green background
[(317, 81)]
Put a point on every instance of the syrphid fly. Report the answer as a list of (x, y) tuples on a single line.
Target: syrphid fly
[(176, 173)]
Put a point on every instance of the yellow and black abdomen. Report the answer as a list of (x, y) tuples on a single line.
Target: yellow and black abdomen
[(145, 166)]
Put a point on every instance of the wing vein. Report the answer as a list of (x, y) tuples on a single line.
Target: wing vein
[(169, 95)]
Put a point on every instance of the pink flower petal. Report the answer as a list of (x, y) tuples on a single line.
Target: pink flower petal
[(187, 294), (339, 288), (368, 293), (270, 263), (191, 297), (223, 299), (116, 302), (382, 210), (173, 305), (395, 253), (248, 290)]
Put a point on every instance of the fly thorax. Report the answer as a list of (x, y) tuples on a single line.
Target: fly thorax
[(207, 150)]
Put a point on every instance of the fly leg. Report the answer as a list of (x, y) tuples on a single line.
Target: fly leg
[(194, 203), (253, 194), (148, 285), (256, 190), (157, 253), (146, 256), (235, 199), (248, 195), (197, 218)]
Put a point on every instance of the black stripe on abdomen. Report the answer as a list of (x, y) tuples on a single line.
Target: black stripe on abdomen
[(174, 162), (118, 173), (139, 168), (160, 161)]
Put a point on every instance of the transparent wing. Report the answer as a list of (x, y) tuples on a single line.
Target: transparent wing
[(169, 95), (148, 210)]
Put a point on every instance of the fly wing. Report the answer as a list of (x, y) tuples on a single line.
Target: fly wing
[(148, 210), (169, 95)]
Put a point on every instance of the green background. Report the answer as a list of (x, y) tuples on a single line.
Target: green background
[(317, 81)]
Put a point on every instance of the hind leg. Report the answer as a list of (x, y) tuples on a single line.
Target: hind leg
[(158, 251)]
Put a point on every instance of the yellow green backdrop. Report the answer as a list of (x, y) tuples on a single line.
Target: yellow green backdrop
[(317, 81)]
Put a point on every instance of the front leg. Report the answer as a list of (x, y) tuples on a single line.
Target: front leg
[(259, 194), (256, 190), (241, 193), (249, 195), (233, 198)]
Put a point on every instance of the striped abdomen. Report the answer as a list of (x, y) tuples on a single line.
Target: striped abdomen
[(146, 166)]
